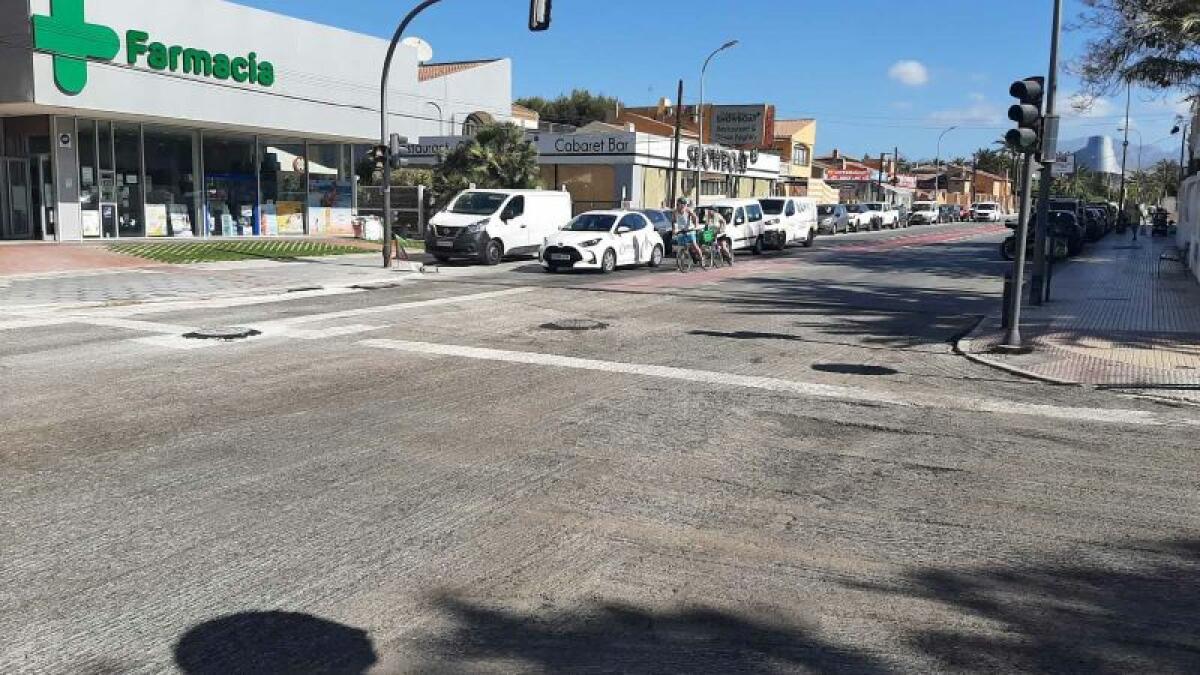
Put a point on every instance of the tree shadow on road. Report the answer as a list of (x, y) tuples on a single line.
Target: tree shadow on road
[(625, 639), (274, 642), (1063, 616)]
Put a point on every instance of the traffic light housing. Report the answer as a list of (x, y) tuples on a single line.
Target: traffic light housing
[(539, 15), (378, 154), (1027, 137)]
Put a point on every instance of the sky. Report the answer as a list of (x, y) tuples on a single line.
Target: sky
[(876, 74)]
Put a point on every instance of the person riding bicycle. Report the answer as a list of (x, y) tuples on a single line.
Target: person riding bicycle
[(716, 222), (685, 227)]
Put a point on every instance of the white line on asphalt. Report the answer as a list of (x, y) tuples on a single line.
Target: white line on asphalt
[(854, 394)]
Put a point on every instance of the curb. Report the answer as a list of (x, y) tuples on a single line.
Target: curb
[(962, 347)]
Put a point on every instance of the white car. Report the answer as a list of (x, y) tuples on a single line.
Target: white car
[(789, 220), (861, 218), (887, 215), (489, 224), (986, 212), (924, 213), (744, 220), (603, 240)]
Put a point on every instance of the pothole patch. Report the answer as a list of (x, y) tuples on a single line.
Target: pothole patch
[(575, 325), (226, 333), (854, 369)]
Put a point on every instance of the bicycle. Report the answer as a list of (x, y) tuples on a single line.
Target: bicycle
[(714, 252), (685, 259)]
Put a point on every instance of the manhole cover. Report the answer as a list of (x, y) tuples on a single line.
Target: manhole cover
[(853, 369), (222, 333), (575, 325)]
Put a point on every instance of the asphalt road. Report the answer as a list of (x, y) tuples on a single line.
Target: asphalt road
[(776, 468)]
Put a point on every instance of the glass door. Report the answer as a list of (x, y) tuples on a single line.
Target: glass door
[(17, 220), (42, 195)]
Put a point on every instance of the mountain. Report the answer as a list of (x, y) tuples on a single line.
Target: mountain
[(1150, 154)]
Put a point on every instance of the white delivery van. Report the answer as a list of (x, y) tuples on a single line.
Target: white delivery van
[(745, 221), (789, 220), (489, 224)]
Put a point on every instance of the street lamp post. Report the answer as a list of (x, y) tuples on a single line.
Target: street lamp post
[(1141, 144), (937, 166), (1181, 128), (700, 114), (441, 116)]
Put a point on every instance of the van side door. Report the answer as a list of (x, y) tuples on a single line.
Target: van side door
[(514, 230), (754, 221)]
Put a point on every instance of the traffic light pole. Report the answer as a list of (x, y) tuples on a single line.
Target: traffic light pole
[(384, 135), (1039, 284), (1012, 338)]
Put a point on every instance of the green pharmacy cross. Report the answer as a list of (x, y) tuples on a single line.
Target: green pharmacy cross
[(73, 41)]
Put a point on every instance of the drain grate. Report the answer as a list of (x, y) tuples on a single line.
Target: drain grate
[(575, 325), (854, 369), (226, 333)]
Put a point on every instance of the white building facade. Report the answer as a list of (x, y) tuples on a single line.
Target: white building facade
[(158, 118)]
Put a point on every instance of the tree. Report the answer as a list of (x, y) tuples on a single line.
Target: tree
[(577, 109), (1155, 43), (998, 162), (499, 156)]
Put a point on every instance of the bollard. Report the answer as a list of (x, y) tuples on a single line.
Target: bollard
[(1006, 315)]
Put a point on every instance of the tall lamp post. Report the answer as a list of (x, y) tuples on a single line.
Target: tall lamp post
[(539, 19), (441, 116), (937, 167), (1141, 144), (700, 114), (1181, 128)]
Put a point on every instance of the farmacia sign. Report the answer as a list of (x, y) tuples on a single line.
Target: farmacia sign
[(72, 42)]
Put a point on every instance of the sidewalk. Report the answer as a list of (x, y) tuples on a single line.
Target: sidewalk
[(1118, 318)]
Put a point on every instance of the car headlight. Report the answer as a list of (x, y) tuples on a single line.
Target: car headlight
[(589, 243), (474, 228)]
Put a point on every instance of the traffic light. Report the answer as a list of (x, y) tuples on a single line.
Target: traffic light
[(539, 15), (1027, 137), (378, 155), (395, 150)]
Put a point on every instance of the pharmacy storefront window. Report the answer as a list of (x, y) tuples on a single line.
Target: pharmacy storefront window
[(89, 178), (283, 177), (330, 189), (230, 186), (127, 145), (170, 188)]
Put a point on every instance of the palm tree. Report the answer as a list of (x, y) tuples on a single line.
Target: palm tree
[(499, 156)]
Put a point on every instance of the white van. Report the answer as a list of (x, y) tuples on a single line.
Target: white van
[(490, 224), (789, 220), (986, 212), (745, 222)]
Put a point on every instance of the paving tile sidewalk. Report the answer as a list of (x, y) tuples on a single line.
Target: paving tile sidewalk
[(1120, 317)]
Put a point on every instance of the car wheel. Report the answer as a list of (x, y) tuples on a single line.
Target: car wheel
[(758, 246), (812, 237), (493, 253), (609, 262), (656, 257)]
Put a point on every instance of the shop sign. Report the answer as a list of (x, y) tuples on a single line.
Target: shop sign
[(848, 175), (909, 182), (722, 160), (73, 42), (585, 144), (742, 126)]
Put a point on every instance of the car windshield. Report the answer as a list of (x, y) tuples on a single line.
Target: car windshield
[(874, 206), (826, 209), (725, 211), (772, 207), (856, 208), (984, 207), (923, 206), (591, 222), (478, 203)]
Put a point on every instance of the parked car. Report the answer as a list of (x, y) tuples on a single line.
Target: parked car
[(861, 218), (950, 213), (925, 213), (986, 212), (1067, 223), (789, 220), (603, 240), (490, 224), (885, 216), (663, 222), (1094, 223), (745, 219), (832, 219)]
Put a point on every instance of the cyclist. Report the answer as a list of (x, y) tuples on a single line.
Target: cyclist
[(714, 221), (685, 227)]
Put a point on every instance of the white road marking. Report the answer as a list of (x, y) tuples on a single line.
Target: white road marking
[(855, 394)]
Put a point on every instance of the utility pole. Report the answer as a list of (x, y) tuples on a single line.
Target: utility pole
[(881, 197), (1027, 139), (1039, 286), (1125, 155), (675, 148)]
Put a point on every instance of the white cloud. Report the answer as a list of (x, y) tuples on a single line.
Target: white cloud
[(979, 113), (1088, 107), (909, 73)]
